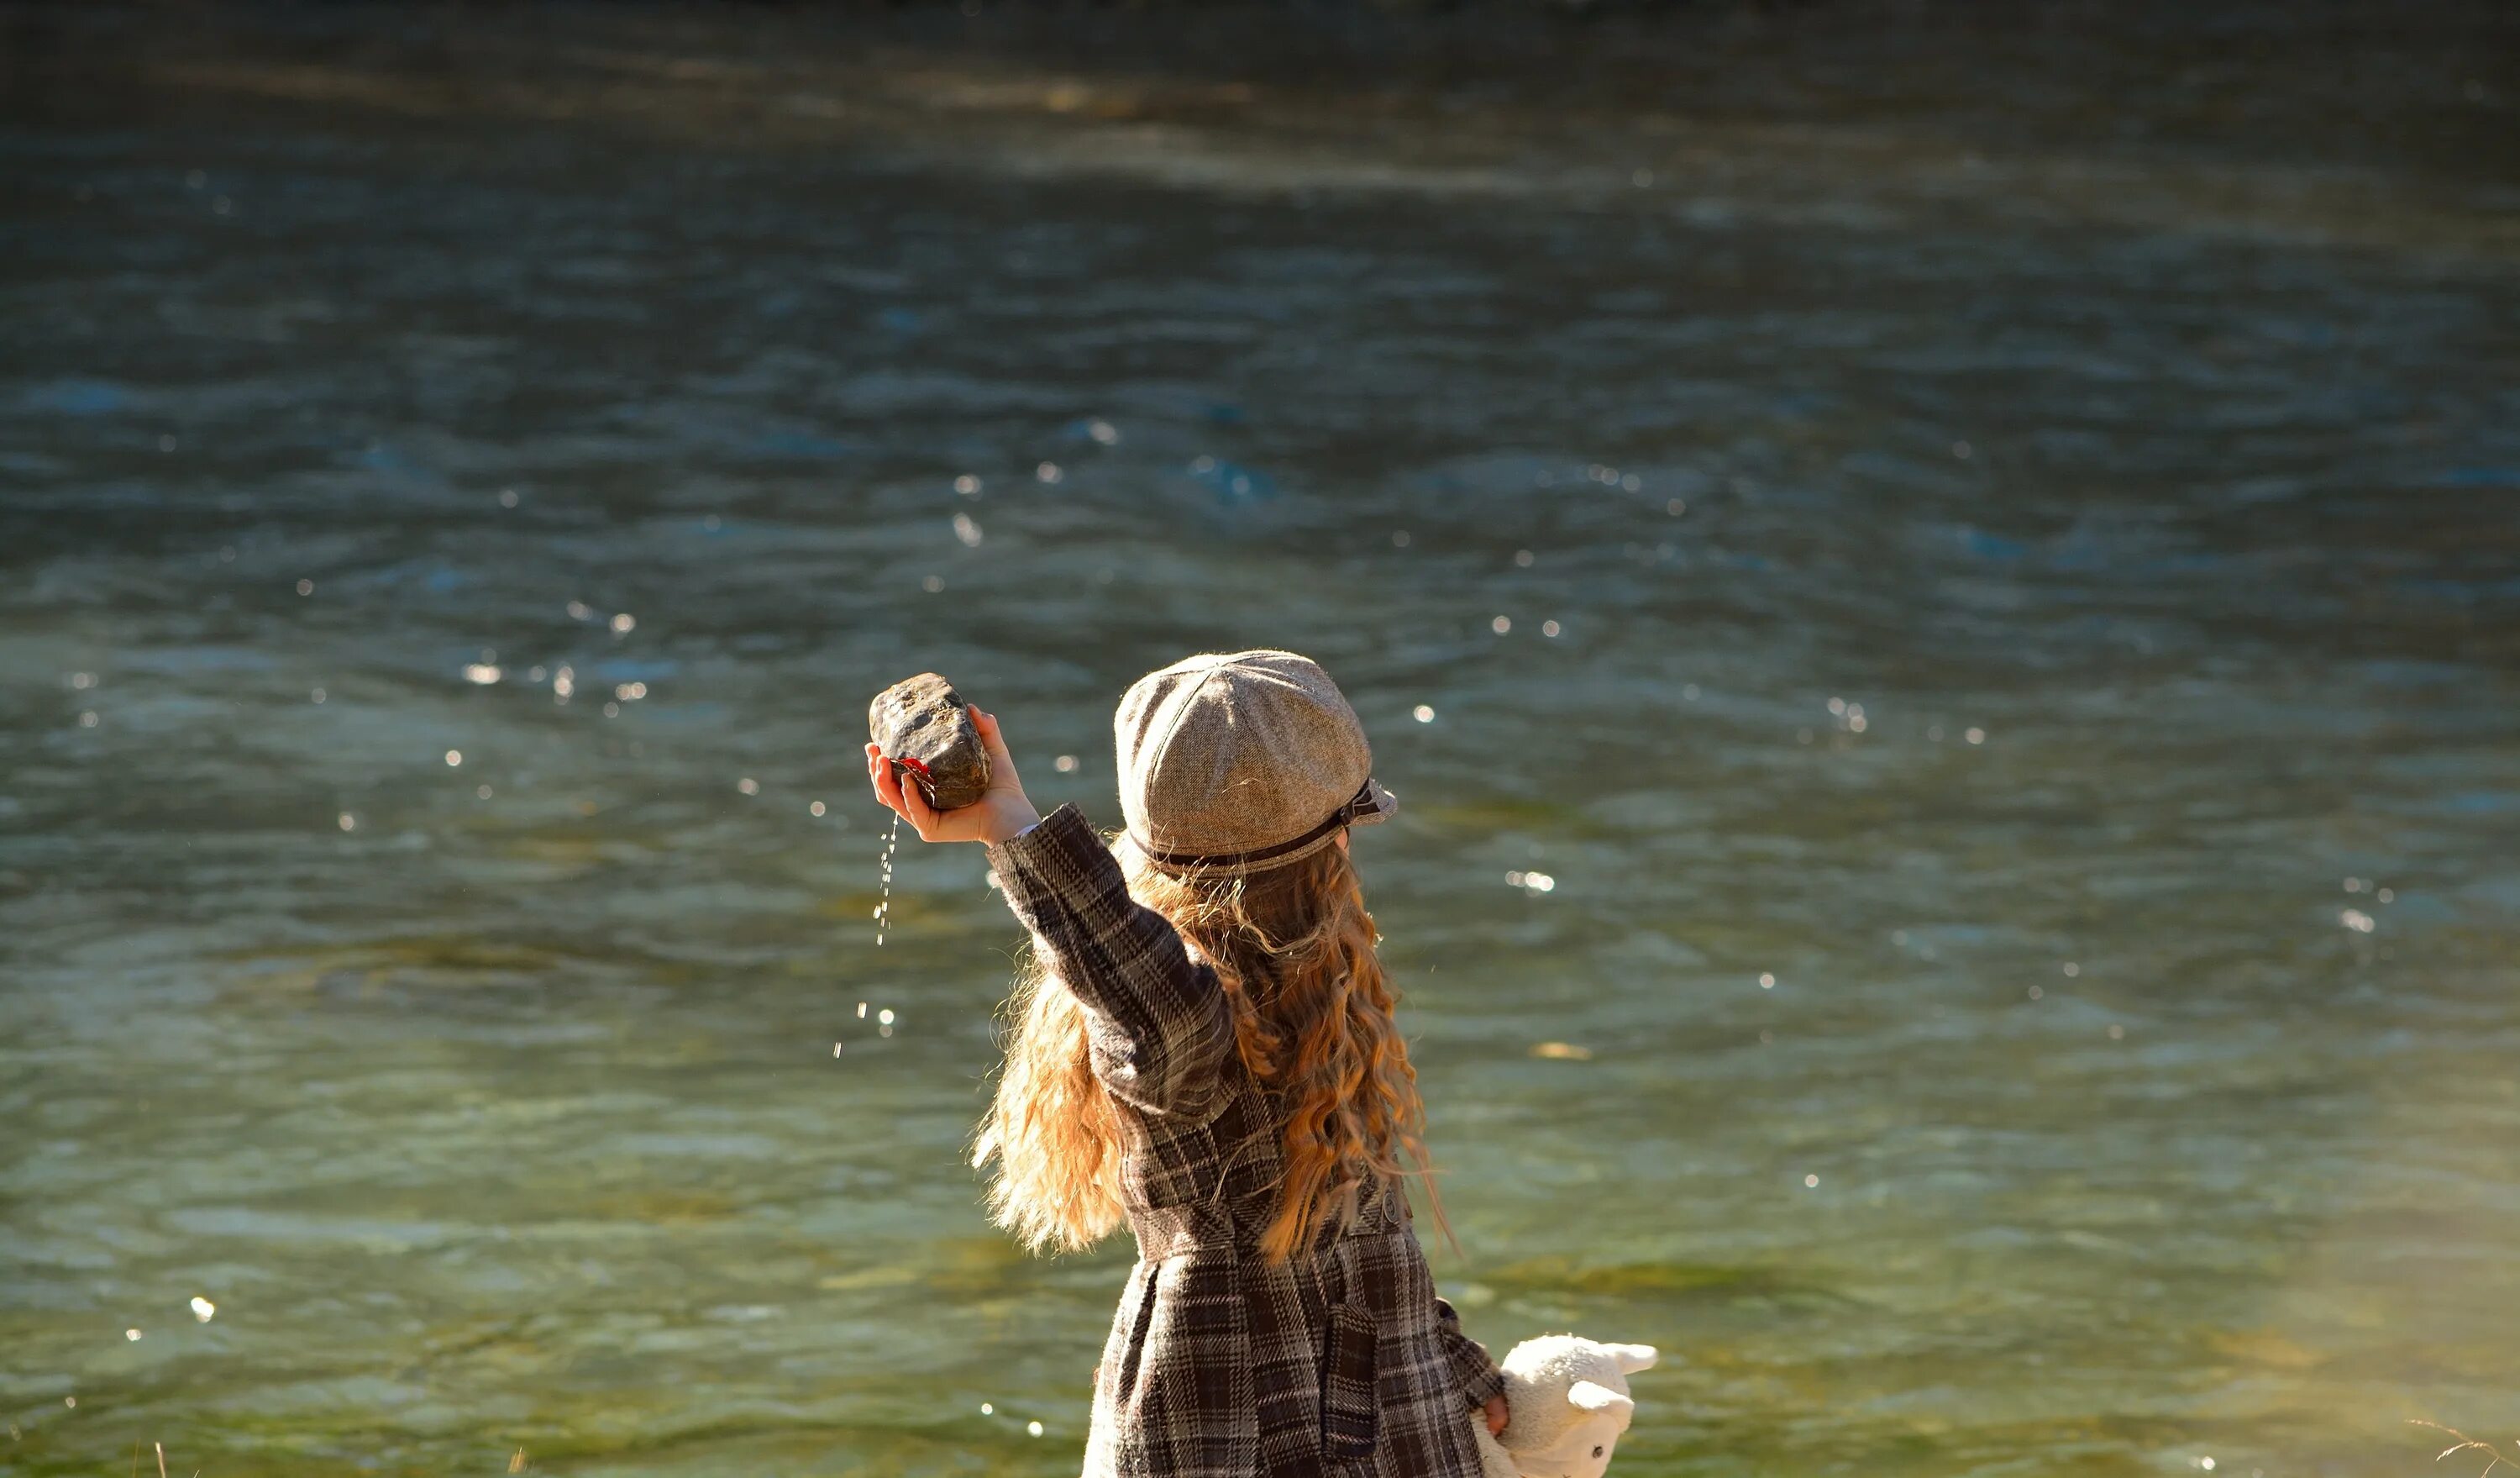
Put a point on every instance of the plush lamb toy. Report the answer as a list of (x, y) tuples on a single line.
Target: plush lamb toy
[(1567, 1403)]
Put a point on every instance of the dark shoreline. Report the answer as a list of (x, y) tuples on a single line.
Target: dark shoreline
[(2421, 89)]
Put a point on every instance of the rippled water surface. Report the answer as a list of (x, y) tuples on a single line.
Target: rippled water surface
[(1960, 659)]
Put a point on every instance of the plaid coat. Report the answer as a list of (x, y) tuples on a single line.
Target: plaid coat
[(1339, 1363)]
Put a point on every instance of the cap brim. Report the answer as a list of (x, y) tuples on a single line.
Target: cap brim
[(1385, 805)]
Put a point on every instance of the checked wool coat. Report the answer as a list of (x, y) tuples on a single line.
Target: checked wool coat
[(1341, 1362)]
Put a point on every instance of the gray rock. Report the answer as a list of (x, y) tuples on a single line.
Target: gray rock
[(925, 728)]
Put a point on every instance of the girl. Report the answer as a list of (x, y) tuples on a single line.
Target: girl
[(1204, 1048)]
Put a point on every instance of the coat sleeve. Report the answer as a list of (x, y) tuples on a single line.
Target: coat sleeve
[(1477, 1375), (1158, 1023)]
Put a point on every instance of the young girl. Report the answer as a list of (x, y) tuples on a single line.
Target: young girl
[(1204, 1048)]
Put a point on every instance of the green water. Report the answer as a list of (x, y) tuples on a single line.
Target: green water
[(2066, 1100)]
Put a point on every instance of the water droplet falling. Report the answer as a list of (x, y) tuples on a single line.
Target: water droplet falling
[(884, 902)]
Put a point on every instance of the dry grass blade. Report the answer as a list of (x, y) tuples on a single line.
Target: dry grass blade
[(2493, 1455)]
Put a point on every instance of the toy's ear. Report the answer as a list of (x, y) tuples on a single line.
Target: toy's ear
[(1633, 1358), (1591, 1396)]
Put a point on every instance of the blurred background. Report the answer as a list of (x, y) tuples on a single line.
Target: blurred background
[(1940, 584)]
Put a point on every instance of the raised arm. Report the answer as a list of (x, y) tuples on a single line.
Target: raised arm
[(1157, 1021)]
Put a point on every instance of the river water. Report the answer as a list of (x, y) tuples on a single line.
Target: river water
[(1950, 651)]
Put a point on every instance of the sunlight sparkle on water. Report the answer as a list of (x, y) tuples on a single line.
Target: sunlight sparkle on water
[(1767, 980), (1501, 624), (454, 757), (481, 673), (968, 530), (624, 623), (202, 1309), (1423, 712), (967, 486), (1065, 764)]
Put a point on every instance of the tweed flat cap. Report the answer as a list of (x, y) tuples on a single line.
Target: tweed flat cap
[(1235, 763)]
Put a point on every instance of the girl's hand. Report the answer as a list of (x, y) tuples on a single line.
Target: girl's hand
[(1496, 1415), (1000, 811)]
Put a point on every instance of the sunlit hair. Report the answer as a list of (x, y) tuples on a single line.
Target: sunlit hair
[(1313, 1018)]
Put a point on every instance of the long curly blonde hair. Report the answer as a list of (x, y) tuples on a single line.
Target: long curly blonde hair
[(1313, 1021)]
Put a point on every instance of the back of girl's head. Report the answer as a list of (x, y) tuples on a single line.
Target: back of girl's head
[(1238, 774)]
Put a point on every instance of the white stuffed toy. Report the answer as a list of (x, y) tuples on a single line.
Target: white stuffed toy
[(1567, 1403)]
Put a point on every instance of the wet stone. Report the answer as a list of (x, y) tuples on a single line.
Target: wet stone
[(925, 728)]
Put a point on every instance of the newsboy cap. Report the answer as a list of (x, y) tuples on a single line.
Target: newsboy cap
[(1237, 763)]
